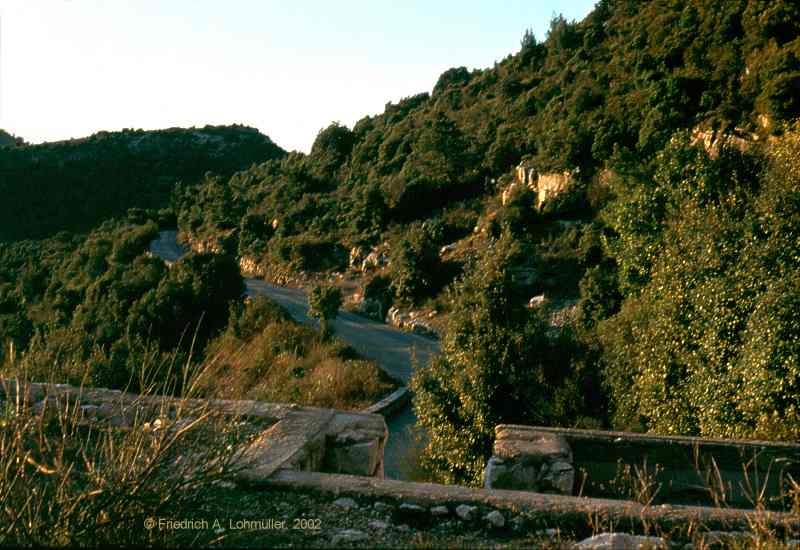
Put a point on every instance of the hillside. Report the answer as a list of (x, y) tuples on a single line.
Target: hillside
[(662, 261), (74, 185), (604, 227)]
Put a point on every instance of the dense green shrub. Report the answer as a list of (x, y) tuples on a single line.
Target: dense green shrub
[(497, 365), (324, 303), (414, 263)]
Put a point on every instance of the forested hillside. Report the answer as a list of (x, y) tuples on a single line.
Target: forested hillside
[(655, 286), (677, 235), (74, 185)]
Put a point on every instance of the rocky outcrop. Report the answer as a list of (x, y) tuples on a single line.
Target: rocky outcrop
[(369, 260), (250, 267), (412, 322), (714, 140), (546, 185)]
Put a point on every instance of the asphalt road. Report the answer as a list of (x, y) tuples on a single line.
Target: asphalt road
[(394, 351)]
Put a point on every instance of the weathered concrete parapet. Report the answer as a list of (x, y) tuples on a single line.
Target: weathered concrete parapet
[(530, 460), (682, 470), (291, 436)]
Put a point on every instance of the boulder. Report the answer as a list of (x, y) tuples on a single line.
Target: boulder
[(347, 536), (345, 502), (537, 301), (621, 541), (440, 511), (466, 512), (495, 519), (528, 460)]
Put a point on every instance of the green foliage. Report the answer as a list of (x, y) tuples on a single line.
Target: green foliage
[(324, 303), (497, 365), (707, 342), (415, 265), (94, 310), (74, 185)]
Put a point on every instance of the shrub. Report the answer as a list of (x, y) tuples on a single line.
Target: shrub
[(497, 365), (65, 482), (414, 264), (324, 302)]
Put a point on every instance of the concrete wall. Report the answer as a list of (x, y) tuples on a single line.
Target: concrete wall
[(289, 436), (681, 468)]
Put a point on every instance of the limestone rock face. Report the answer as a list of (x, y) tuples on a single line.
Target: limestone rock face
[(546, 184), (356, 257), (250, 267), (528, 460), (551, 185), (537, 301)]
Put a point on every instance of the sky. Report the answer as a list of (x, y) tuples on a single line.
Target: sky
[(69, 68)]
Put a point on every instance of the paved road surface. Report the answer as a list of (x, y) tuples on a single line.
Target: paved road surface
[(392, 349)]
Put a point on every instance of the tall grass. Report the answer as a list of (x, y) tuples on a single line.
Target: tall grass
[(289, 363), (68, 478)]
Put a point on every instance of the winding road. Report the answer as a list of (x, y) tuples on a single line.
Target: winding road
[(391, 348)]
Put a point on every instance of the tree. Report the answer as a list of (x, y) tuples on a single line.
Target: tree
[(324, 302), (497, 365)]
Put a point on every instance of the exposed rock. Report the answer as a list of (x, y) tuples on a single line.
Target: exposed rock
[(356, 257), (396, 317), (348, 536), (537, 301), (546, 185), (410, 321), (524, 459), (621, 541), (508, 193), (250, 267), (495, 519), (345, 502), (551, 185), (557, 476), (377, 524), (440, 511), (373, 260), (381, 507), (466, 512), (360, 458), (713, 140)]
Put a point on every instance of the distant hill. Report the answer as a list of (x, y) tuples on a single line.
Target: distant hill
[(74, 185), (9, 140)]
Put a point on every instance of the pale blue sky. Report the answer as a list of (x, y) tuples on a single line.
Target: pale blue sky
[(69, 68)]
